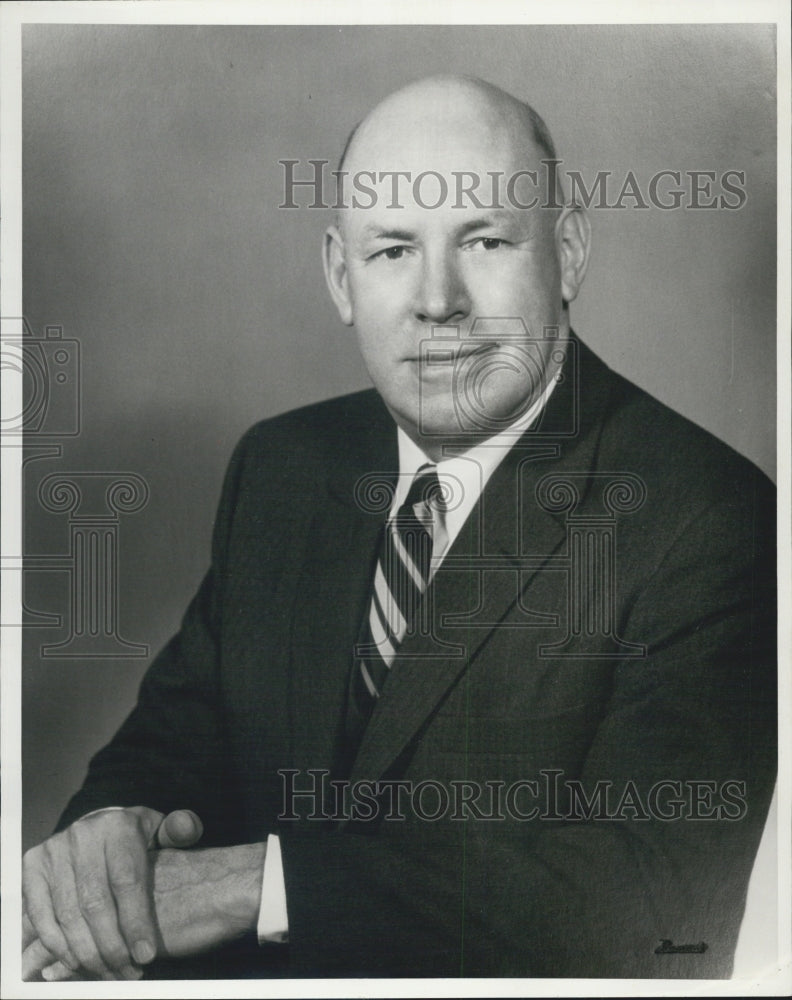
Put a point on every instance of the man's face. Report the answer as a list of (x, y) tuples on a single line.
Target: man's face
[(450, 304)]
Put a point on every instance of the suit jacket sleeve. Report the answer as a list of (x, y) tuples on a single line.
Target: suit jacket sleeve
[(170, 751)]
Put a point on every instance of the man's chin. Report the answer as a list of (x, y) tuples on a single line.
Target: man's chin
[(437, 423), (438, 434)]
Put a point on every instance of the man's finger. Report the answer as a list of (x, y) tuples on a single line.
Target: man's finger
[(128, 877), (97, 905), (40, 908), (72, 924), (35, 958), (181, 828), (58, 972)]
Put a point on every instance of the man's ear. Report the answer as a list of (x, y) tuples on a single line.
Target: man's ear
[(573, 239), (336, 275)]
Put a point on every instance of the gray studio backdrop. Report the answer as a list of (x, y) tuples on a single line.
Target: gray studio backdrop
[(153, 238)]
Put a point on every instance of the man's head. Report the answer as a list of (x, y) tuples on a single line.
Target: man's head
[(425, 249)]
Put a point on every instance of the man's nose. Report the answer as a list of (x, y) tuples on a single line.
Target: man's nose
[(443, 295)]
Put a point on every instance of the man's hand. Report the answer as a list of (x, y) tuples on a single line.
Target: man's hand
[(203, 899), (87, 893)]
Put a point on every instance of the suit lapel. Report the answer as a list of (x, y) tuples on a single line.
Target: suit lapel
[(334, 587)]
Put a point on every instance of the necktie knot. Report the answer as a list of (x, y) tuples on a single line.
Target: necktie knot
[(425, 489)]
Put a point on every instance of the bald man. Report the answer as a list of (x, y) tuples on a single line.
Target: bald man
[(481, 679)]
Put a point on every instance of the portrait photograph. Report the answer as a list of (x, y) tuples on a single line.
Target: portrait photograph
[(395, 549)]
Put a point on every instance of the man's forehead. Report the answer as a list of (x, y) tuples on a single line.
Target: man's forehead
[(448, 147)]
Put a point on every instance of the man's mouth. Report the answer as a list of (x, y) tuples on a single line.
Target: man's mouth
[(451, 355)]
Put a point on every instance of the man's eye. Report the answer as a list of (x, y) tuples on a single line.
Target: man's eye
[(391, 253), (489, 243)]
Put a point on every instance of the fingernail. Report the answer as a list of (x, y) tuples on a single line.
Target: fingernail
[(143, 952), (131, 972)]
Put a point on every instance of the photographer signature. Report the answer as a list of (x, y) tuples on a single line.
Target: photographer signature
[(667, 947)]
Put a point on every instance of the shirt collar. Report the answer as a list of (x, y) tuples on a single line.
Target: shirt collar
[(467, 474)]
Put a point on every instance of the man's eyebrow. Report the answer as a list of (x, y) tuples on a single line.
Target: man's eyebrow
[(484, 222), (373, 231)]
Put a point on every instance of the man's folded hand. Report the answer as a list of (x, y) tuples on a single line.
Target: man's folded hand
[(88, 904)]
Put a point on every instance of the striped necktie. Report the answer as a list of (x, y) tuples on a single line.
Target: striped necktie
[(401, 578)]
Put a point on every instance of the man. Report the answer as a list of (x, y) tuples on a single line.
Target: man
[(525, 729)]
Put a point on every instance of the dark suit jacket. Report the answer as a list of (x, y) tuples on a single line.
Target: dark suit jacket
[(667, 675)]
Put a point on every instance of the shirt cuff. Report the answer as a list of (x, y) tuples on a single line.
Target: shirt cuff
[(273, 921)]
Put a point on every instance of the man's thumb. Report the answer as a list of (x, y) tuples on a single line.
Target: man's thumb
[(181, 828)]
